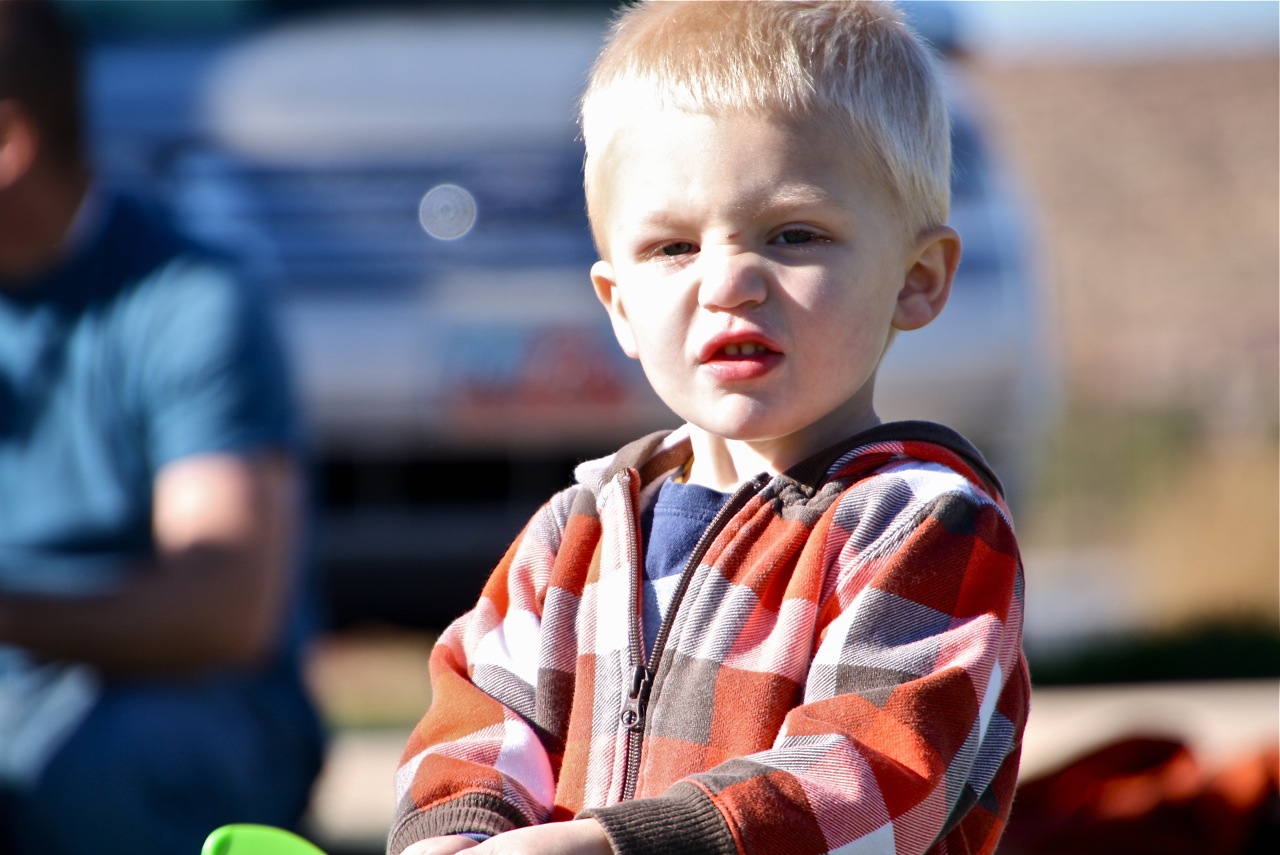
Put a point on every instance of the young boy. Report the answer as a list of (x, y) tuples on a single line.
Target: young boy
[(783, 627)]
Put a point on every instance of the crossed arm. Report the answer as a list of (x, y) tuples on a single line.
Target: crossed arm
[(579, 837), (224, 527)]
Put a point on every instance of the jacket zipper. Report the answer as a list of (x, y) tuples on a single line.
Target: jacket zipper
[(643, 674)]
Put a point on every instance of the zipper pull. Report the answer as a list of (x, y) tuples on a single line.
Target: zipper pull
[(638, 675), (633, 712)]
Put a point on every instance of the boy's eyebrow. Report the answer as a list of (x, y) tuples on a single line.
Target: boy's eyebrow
[(785, 197), (775, 199), (798, 196)]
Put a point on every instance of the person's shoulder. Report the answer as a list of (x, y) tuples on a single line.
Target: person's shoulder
[(903, 488), (917, 513), (926, 478), (158, 271), (895, 480), (649, 458), (639, 465), (142, 233), (931, 457)]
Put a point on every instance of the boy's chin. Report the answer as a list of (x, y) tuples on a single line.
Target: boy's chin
[(732, 430), (752, 429), (745, 436)]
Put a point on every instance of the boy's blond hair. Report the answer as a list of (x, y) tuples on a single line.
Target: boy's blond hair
[(853, 64)]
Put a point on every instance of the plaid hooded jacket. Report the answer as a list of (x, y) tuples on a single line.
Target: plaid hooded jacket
[(841, 668)]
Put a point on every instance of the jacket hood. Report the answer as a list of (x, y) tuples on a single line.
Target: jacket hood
[(657, 454)]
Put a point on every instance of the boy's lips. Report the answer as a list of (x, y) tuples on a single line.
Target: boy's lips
[(737, 345), (739, 356)]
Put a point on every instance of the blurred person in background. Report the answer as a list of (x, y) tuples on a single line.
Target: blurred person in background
[(150, 618)]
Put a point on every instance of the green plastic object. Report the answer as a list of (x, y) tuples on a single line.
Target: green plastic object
[(248, 839)]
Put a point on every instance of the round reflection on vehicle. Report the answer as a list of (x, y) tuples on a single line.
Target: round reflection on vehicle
[(447, 212)]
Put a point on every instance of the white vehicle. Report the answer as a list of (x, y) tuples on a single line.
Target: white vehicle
[(408, 180)]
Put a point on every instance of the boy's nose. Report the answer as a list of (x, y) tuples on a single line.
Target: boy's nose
[(731, 279)]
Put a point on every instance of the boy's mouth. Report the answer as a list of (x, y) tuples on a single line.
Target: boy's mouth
[(735, 358), (738, 346), (743, 349)]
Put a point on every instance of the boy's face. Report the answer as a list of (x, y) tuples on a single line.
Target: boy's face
[(756, 273)]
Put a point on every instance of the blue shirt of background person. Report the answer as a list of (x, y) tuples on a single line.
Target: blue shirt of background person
[(150, 616)]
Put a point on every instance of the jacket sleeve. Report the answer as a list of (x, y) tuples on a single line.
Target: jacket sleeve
[(476, 762), (908, 733)]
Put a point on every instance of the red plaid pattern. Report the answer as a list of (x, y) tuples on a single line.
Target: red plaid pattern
[(844, 672)]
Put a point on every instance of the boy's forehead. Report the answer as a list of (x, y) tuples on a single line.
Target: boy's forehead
[(662, 168), (620, 157)]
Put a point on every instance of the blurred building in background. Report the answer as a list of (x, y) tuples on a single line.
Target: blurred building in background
[(1148, 136)]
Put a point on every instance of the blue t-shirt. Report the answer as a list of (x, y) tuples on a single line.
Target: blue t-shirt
[(140, 349), (670, 529)]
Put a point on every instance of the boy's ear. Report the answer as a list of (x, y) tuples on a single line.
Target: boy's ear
[(18, 141), (607, 292), (927, 282)]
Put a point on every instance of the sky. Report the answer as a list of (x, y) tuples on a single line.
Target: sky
[(1119, 28)]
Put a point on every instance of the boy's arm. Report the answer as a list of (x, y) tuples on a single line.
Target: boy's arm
[(447, 845), (475, 763), (578, 837), (914, 705)]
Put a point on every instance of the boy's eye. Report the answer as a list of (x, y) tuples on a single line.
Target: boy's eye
[(679, 247), (791, 237)]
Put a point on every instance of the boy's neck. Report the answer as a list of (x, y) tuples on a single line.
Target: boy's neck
[(723, 464)]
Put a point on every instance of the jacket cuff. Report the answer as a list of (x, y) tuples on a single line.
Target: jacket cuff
[(682, 822), (485, 815)]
